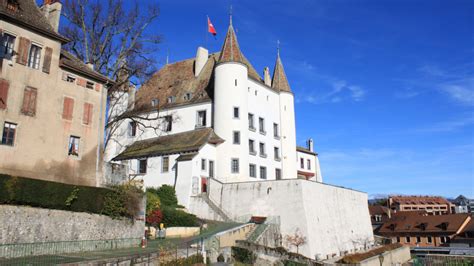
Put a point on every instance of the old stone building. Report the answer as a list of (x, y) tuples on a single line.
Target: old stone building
[(51, 104)]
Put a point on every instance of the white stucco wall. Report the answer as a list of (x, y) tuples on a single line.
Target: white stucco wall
[(333, 219), (314, 165), (288, 134)]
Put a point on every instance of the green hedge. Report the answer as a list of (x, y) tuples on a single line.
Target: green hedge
[(176, 217), (53, 195)]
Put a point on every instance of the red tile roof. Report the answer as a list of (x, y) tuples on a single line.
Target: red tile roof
[(419, 200)]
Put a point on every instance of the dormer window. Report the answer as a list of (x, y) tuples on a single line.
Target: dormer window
[(171, 99), (155, 102), (188, 96), (12, 5), (70, 79), (89, 85)]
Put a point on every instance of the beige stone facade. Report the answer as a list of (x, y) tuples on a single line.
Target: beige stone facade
[(42, 113)]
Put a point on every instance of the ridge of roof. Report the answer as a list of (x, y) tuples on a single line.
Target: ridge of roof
[(412, 222), (279, 80), (230, 51)]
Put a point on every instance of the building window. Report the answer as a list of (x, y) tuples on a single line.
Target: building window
[(398, 239), (407, 239), (34, 56), (167, 123), (132, 128), (263, 172), (234, 167), (252, 170), (12, 5), (378, 218), (418, 239), (171, 99), (276, 131), (236, 113), (443, 239), (70, 79), (8, 44), (301, 163), (88, 113), (211, 168), (89, 85), (276, 152), (188, 96), (29, 101), (308, 164), (165, 164), (155, 102), (236, 83), (236, 137), (277, 174), (252, 147), (142, 166), (251, 122), (73, 149), (68, 108), (429, 239), (201, 119), (262, 149), (203, 164), (8, 136), (261, 125)]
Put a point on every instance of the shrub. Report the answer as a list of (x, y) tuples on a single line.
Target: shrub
[(152, 201), (154, 217), (243, 255), (174, 217), (191, 260), (167, 195), (115, 202)]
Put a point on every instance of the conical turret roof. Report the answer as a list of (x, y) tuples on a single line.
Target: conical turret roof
[(279, 81), (230, 50)]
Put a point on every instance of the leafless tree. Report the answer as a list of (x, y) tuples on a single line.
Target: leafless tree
[(297, 239), (115, 36)]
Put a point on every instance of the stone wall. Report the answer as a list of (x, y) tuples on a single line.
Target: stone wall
[(20, 225)]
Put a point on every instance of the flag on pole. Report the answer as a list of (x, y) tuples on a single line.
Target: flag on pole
[(210, 27)]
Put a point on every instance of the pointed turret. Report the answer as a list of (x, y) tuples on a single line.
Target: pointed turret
[(279, 81), (230, 50)]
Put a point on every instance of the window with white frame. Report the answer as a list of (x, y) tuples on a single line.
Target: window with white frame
[(167, 123), (8, 136), (234, 166), (276, 130), (252, 170), (132, 129), (262, 149), (73, 148), (201, 118), (301, 163), (34, 57), (8, 45), (165, 164), (276, 152), (278, 174), (203, 164), (142, 166), (308, 164), (263, 172), (155, 102), (236, 137), (261, 125), (236, 113), (251, 122), (252, 147)]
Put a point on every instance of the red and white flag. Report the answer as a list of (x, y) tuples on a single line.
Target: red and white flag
[(210, 27)]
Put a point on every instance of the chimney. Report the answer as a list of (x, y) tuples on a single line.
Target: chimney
[(266, 77), (90, 65), (201, 59), (52, 11), (131, 97), (310, 145)]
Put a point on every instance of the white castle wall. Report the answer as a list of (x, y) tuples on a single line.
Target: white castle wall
[(334, 219), (288, 134), (314, 165)]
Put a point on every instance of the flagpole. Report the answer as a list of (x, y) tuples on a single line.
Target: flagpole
[(207, 25)]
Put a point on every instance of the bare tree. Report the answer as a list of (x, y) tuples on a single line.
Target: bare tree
[(117, 39), (297, 239)]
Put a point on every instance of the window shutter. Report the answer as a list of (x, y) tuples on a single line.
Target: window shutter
[(97, 87), (3, 93), (68, 108), (26, 101), (1, 53), (87, 116), (29, 101), (23, 51), (47, 59)]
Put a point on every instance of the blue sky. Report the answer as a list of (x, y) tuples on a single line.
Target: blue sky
[(385, 88)]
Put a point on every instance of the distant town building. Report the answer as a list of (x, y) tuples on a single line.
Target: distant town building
[(465, 239), (433, 205), (378, 215), (51, 104), (418, 229), (463, 205)]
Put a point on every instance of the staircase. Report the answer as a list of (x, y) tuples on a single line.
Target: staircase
[(215, 208)]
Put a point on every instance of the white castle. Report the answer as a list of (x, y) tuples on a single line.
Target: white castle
[(227, 143)]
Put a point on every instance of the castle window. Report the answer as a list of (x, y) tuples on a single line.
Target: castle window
[(252, 170), (132, 129), (262, 150), (165, 164), (201, 118), (8, 136), (203, 164), (301, 163), (155, 102), (142, 166), (234, 166), (236, 137), (308, 164), (236, 82), (251, 122), (89, 85), (211, 168), (8, 45), (171, 99), (70, 79), (276, 130), (278, 174), (263, 172), (73, 149), (252, 147), (255, 92), (188, 96), (34, 56), (276, 152), (261, 125), (167, 123), (236, 113)]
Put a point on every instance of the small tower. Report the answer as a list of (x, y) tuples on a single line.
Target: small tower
[(230, 92), (287, 113)]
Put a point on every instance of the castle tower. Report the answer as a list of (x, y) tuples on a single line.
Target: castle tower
[(231, 109), (287, 114)]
